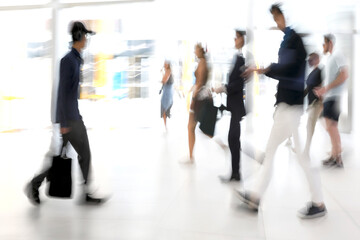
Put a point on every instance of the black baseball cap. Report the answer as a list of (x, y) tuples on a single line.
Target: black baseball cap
[(241, 32), (79, 26)]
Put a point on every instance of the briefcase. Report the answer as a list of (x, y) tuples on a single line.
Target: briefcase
[(59, 177)]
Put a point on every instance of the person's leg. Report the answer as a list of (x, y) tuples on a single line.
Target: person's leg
[(164, 117), (32, 188), (316, 208), (191, 134), (279, 133), (79, 140), (312, 174), (332, 128), (54, 150), (313, 115), (234, 145)]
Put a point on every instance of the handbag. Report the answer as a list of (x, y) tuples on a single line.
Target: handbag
[(59, 177), (208, 116)]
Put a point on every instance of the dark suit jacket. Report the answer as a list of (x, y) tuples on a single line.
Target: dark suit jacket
[(290, 69), (314, 80), (235, 89)]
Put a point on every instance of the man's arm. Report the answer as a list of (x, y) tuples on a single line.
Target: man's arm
[(343, 75), (66, 74)]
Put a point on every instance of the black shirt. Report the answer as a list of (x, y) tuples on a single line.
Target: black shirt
[(67, 102)]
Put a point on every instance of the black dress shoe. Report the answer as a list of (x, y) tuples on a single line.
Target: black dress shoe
[(32, 194), (92, 200), (232, 178)]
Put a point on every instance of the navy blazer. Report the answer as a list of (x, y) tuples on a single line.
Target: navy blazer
[(67, 102), (290, 69), (235, 89), (314, 80)]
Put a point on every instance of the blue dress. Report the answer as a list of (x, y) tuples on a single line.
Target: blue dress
[(167, 97)]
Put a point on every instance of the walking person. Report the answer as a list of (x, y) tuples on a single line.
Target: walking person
[(72, 127), (290, 72), (199, 93), (167, 92), (331, 92), (315, 104), (235, 104)]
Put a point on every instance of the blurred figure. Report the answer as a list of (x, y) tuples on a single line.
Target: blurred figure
[(167, 92), (290, 72), (199, 92), (235, 104), (72, 127), (315, 107), (336, 75)]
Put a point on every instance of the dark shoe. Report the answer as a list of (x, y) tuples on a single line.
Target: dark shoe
[(92, 200), (329, 162), (232, 178), (252, 202), (338, 162), (32, 194), (312, 211)]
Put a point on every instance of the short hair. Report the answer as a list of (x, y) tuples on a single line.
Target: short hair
[(330, 38), (199, 45), (168, 63), (314, 54), (276, 8), (240, 32)]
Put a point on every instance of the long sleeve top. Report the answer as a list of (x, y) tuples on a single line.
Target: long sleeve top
[(67, 101), (314, 80), (235, 87), (290, 69)]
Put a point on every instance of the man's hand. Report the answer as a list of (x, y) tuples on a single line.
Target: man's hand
[(248, 72), (320, 91), (64, 130), (218, 89), (262, 70)]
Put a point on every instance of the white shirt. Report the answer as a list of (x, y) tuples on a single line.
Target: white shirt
[(332, 69)]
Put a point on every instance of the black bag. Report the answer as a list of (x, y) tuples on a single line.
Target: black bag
[(59, 177), (207, 117)]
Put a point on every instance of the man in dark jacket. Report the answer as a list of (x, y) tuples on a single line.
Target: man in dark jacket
[(235, 104), (290, 72), (72, 127)]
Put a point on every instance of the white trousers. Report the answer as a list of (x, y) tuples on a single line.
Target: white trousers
[(286, 124)]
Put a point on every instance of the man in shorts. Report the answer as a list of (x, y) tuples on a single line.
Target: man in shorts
[(336, 74)]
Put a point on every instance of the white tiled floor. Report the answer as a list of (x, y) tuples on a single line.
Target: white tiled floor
[(155, 197)]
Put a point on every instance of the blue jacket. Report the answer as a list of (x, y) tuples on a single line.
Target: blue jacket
[(290, 69), (67, 101)]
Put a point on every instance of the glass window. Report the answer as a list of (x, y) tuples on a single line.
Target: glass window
[(25, 82)]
